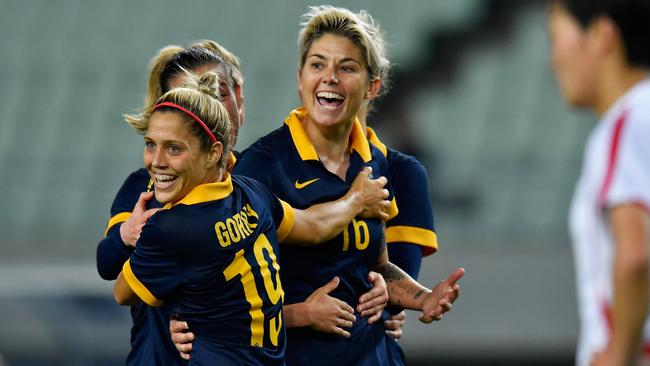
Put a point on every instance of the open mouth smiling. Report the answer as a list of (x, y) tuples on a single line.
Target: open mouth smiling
[(164, 181), (329, 100)]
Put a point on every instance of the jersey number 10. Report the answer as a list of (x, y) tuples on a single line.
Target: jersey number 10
[(240, 266)]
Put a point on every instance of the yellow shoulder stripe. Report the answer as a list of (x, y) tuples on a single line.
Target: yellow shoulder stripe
[(137, 286), (413, 235), (117, 219), (287, 221), (393, 210)]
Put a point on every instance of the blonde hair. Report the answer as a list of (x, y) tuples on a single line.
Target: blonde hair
[(360, 28), (158, 64), (198, 95)]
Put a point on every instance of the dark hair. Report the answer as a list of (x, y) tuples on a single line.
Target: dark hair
[(190, 59), (632, 17)]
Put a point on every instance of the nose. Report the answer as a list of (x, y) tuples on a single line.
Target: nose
[(159, 158), (331, 78)]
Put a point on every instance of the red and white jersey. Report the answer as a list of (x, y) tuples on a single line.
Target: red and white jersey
[(615, 171)]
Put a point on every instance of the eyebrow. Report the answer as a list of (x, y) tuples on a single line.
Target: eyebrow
[(165, 142), (321, 57)]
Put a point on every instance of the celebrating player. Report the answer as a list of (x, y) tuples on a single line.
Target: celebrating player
[(338, 70), (150, 343), (601, 59)]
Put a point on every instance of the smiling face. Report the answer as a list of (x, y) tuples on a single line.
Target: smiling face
[(574, 57), (333, 82), (173, 157)]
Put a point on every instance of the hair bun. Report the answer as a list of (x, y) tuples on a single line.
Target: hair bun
[(208, 83)]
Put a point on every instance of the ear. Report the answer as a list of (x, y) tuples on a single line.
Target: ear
[(299, 79), (239, 98), (214, 155), (239, 95), (604, 35), (373, 89)]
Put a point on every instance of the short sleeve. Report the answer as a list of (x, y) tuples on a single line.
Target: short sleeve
[(414, 224), (630, 181), (285, 223), (153, 271)]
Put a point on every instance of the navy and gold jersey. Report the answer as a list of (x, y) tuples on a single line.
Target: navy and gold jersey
[(287, 163), (211, 257)]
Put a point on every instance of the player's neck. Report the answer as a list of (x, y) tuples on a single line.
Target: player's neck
[(614, 83), (332, 145)]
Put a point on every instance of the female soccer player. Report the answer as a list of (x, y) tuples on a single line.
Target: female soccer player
[(150, 340), (213, 244), (601, 60), (150, 335), (338, 70)]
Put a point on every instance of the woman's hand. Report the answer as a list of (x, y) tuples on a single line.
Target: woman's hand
[(328, 314), (439, 300), (373, 302), (182, 337), (130, 229), (370, 195), (394, 325)]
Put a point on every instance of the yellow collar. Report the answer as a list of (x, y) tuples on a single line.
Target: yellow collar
[(372, 137), (358, 140), (232, 160), (205, 193)]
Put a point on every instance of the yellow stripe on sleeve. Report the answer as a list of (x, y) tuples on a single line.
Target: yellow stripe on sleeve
[(393, 210), (137, 286), (414, 235), (287, 221), (117, 219)]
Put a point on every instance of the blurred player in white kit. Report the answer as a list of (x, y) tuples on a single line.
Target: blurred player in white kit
[(601, 58)]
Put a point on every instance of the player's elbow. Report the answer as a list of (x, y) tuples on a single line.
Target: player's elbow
[(123, 294), (125, 299), (119, 297)]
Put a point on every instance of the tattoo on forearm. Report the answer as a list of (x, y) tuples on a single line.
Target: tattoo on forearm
[(400, 286), (391, 272)]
